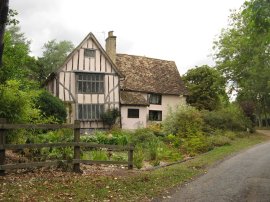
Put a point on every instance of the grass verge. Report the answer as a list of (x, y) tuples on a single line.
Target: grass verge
[(132, 186)]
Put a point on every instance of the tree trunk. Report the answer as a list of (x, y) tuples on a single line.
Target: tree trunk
[(3, 20)]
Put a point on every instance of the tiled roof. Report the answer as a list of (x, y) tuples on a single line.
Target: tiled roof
[(150, 75), (132, 98)]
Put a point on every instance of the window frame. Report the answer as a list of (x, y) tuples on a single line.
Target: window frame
[(85, 112), (159, 114), (131, 115), (158, 96), (90, 83), (91, 53)]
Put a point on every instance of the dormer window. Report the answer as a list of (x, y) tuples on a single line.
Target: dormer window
[(90, 53), (155, 99)]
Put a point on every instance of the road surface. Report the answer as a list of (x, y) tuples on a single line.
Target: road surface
[(244, 177)]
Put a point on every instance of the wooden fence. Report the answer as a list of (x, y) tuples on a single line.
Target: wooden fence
[(76, 144)]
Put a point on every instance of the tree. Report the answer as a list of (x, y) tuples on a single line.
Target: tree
[(54, 55), (17, 62), (4, 4), (243, 54), (206, 87)]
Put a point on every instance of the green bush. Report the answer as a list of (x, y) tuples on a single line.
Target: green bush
[(196, 144), (51, 106), (229, 118), (142, 135), (138, 157), (14, 103), (219, 140), (184, 122), (230, 134), (168, 153), (109, 117), (153, 150), (156, 128)]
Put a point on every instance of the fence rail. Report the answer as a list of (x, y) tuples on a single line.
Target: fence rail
[(76, 144)]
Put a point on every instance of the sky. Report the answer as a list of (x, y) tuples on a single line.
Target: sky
[(179, 30)]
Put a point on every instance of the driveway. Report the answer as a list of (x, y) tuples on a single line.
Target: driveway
[(244, 177)]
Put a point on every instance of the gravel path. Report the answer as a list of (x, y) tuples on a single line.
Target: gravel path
[(244, 177)]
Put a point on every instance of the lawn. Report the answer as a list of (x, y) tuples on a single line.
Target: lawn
[(125, 186)]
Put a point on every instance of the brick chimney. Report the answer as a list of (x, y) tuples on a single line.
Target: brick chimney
[(111, 46)]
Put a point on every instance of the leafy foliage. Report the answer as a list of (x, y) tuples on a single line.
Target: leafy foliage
[(185, 121), (51, 106), (229, 118), (242, 54), (15, 104), (17, 62), (110, 116), (206, 87), (53, 56)]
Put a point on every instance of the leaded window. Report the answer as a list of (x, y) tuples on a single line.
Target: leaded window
[(90, 111), (90, 83), (155, 115), (155, 99), (89, 52)]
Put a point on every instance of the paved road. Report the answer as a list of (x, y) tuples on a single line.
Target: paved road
[(244, 177)]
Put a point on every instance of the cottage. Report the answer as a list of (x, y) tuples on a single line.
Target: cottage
[(91, 80)]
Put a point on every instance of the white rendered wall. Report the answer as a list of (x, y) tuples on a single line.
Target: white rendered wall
[(133, 123)]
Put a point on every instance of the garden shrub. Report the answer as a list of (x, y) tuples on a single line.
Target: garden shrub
[(138, 157), (153, 150), (142, 135), (195, 144), (184, 122), (109, 117), (228, 118), (168, 153), (51, 106), (156, 128), (14, 103), (230, 134), (219, 140)]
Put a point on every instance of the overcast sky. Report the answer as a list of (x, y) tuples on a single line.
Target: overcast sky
[(178, 30)]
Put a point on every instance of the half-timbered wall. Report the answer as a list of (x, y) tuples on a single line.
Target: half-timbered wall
[(65, 84)]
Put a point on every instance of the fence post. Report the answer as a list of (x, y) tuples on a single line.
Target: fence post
[(76, 166), (130, 156), (2, 142)]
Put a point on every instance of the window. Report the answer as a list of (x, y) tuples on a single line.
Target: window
[(155, 115), (133, 113), (155, 99), (89, 52), (90, 111), (90, 83)]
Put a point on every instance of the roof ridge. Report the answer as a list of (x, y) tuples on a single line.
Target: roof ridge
[(144, 57)]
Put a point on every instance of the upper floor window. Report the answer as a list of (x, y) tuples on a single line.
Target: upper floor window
[(90, 83), (89, 52), (155, 99)]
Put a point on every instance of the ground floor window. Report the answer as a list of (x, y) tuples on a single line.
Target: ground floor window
[(155, 115), (90, 111), (133, 113)]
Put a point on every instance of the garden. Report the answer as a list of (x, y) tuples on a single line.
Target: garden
[(186, 132)]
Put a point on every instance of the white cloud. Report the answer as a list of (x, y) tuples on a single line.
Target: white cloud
[(177, 30)]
